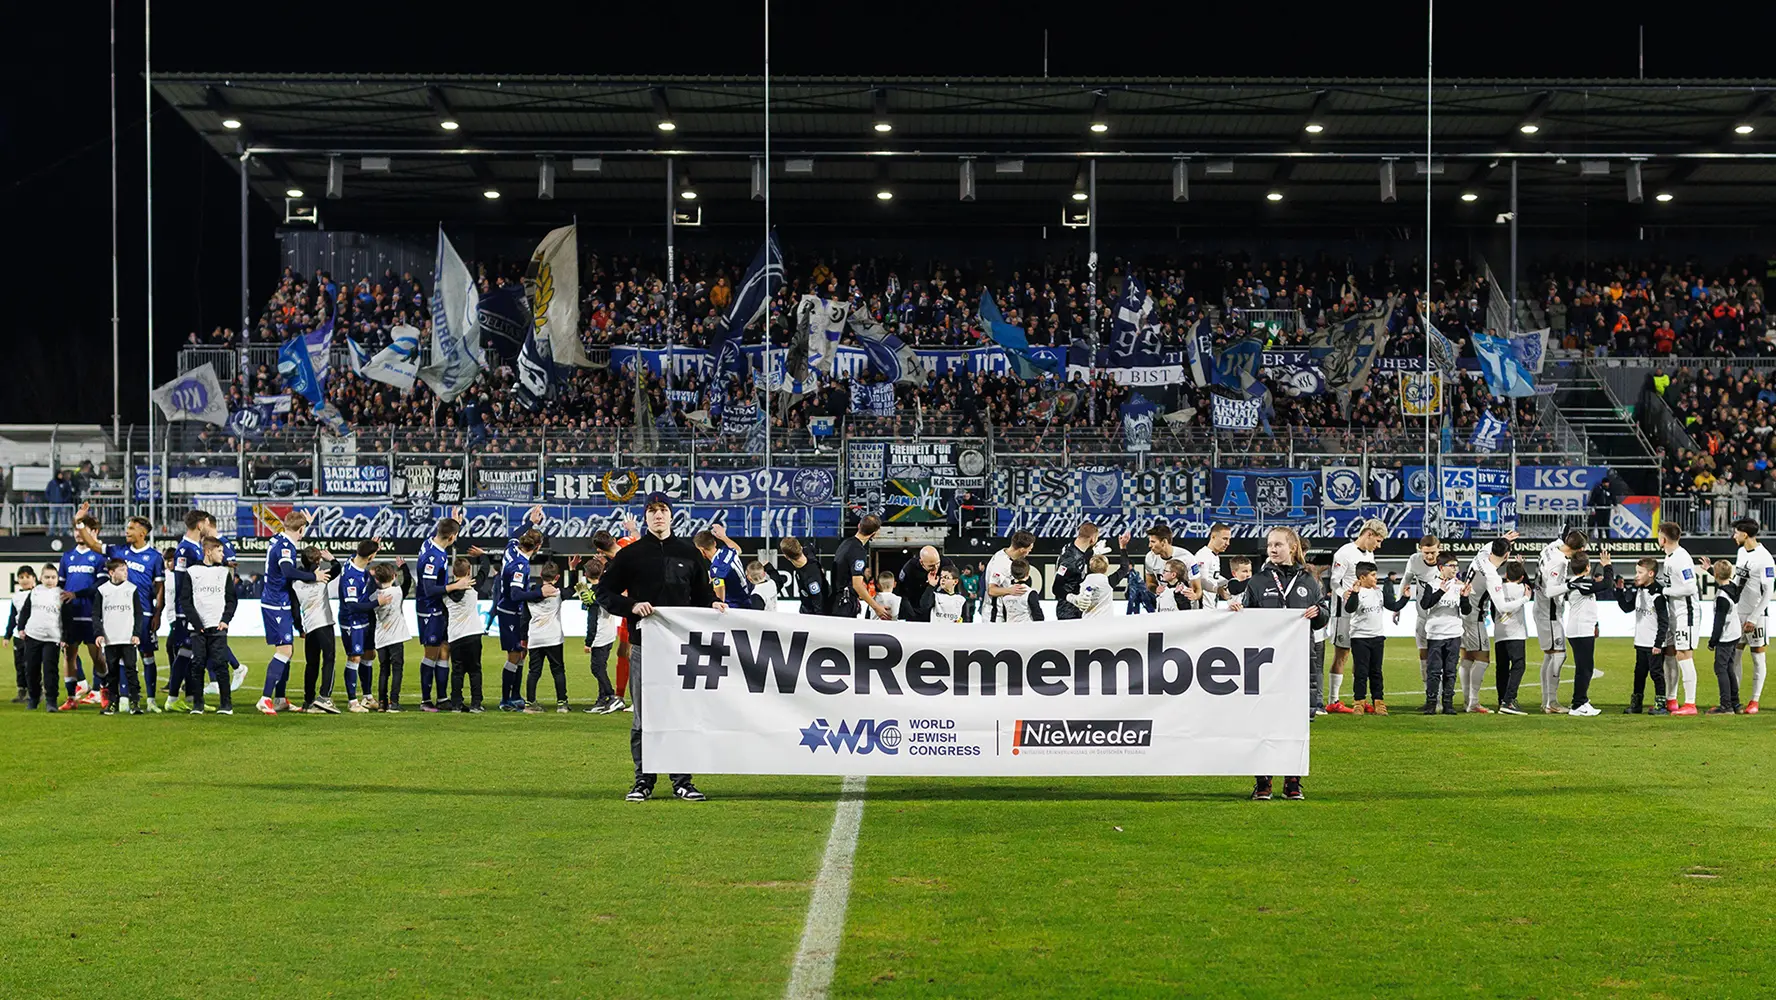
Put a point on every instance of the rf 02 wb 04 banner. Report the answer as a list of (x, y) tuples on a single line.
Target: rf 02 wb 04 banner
[(1194, 692)]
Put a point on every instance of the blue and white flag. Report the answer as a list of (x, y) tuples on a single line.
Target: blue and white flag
[(1232, 414), (328, 416), (319, 342), (1355, 344), (276, 402), (251, 422), (1443, 351), (818, 325), (1504, 372), (1137, 423), (396, 364), (1531, 348), (552, 285), (195, 395), (888, 354), (296, 370), (536, 372), (740, 420), (1199, 347), (504, 314), (1136, 355), (872, 399), (763, 277), (1013, 342), (457, 357), (1489, 433)]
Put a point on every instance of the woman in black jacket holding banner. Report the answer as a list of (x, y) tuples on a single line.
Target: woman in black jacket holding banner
[(1286, 582)]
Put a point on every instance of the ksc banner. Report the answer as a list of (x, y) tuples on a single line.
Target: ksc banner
[(754, 692)]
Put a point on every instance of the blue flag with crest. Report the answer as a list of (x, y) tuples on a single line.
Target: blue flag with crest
[(763, 277), (1013, 342)]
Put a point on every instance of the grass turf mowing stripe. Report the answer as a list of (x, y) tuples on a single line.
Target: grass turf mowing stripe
[(811, 973)]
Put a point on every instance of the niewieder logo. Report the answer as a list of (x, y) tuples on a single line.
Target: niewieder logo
[(861, 737), (1081, 733)]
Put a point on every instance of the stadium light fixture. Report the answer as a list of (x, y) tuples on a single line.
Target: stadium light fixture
[(884, 195), (1100, 119), (1744, 129), (686, 190), (965, 179), (1315, 128), (880, 118), (1470, 196), (1079, 180), (1662, 196), (297, 193), (1529, 128), (1180, 179), (662, 110), (491, 194), (1274, 196), (231, 123), (449, 125)]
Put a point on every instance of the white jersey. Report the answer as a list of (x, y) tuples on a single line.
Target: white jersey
[(1017, 609), (766, 591), (1418, 576), (998, 575), (46, 614), (889, 600), (1681, 584), (605, 632), (1727, 623), (1366, 621), (1208, 570), (118, 610), (1095, 596), (1442, 620), (1755, 572), (948, 607), (391, 620), (316, 602), (1646, 618), (545, 623), (209, 592), (1509, 619), (1344, 573), (18, 606), (1175, 597), (1581, 614), (1154, 564), (1551, 569), (462, 615)]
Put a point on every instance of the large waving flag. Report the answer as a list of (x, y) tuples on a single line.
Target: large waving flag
[(818, 325), (504, 315), (763, 277), (195, 395), (456, 326), (297, 371), (396, 364), (319, 344), (1503, 369), (888, 354), (1489, 433), (1199, 348), (537, 373), (1443, 352), (552, 284), (1013, 342), (1355, 344)]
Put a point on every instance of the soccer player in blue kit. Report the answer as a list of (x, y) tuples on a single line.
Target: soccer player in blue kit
[(434, 625), (283, 565), (146, 568), (511, 598), (82, 570)]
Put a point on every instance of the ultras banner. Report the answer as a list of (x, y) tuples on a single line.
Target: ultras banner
[(1191, 692)]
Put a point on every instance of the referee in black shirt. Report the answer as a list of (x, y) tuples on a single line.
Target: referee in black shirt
[(850, 573), (655, 570)]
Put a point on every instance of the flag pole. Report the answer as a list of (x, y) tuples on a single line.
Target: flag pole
[(765, 410), (116, 366), (1430, 37), (154, 508)]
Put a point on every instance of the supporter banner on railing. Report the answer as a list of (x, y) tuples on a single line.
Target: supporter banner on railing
[(280, 476), (608, 485), (516, 484), (355, 520), (1557, 489), (804, 485), (185, 480), (1403, 521), (354, 480), (1059, 490), (438, 481), (1267, 496), (1201, 693)]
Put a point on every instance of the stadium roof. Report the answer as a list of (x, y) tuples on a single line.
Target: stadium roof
[(1241, 139)]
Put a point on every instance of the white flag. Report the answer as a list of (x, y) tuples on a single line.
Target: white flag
[(552, 286), (456, 331), (826, 320), (396, 364), (195, 395)]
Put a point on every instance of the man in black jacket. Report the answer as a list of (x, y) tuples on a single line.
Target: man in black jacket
[(917, 579), (1070, 568), (656, 570)]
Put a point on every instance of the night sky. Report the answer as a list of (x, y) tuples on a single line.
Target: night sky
[(54, 122)]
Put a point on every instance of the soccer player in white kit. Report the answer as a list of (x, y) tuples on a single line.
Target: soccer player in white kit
[(1344, 573), (1422, 572), (1208, 564), (1755, 572), (1679, 584), (1550, 600)]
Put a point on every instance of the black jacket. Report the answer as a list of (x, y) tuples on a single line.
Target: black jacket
[(1073, 562), (1284, 587), (667, 573)]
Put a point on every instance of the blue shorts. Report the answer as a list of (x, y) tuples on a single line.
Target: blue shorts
[(514, 629), (78, 630), (356, 638), (434, 628), (147, 640), (280, 626)]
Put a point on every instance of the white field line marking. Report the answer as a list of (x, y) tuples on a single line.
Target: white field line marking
[(812, 973)]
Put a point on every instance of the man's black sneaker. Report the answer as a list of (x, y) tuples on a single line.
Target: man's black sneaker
[(687, 791), (641, 791), (112, 710), (1450, 710), (1719, 710), (1292, 789), (1429, 709), (475, 710), (1261, 790), (1633, 709)]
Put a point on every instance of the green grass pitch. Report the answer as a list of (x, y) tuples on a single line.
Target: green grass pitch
[(479, 856)]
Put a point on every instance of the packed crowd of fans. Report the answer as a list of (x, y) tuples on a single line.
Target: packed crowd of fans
[(1730, 415), (1658, 309)]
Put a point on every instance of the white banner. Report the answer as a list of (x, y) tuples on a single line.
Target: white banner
[(1194, 692)]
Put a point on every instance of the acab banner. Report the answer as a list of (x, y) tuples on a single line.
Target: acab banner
[(1189, 693)]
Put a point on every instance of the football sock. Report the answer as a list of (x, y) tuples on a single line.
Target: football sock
[(1757, 675), (1688, 669), (1337, 683), (274, 675), (150, 674), (1671, 676), (351, 680), (1551, 664)]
